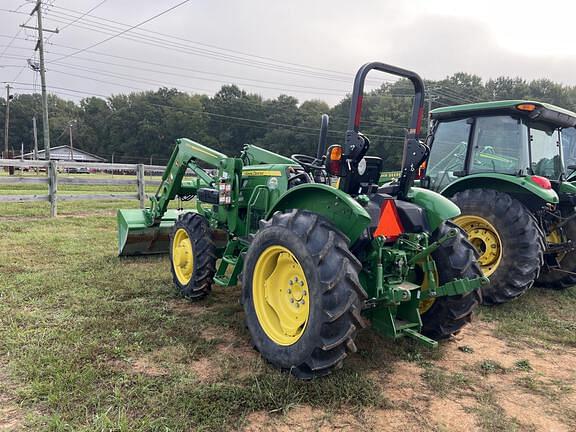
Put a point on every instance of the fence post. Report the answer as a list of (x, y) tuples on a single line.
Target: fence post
[(53, 187), (141, 185)]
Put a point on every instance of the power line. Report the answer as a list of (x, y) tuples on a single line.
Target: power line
[(80, 17), (124, 31), (188, 41)]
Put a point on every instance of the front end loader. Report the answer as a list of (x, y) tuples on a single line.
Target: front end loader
[(316, 263)]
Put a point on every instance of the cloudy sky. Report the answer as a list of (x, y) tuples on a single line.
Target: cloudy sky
[(308, 49)]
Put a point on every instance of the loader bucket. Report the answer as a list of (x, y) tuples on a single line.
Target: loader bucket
[(136, 238)]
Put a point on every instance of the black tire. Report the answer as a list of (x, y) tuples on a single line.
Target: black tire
[(522, 242), (204, 253), (455, 259), (336, 296), (558, 280)]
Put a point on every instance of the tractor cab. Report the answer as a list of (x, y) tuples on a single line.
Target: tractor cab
[(514, 138), (506, 165)]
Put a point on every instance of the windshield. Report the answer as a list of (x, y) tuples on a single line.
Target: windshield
[(545, 151), (569, 147), (500, 145), (448, 153)]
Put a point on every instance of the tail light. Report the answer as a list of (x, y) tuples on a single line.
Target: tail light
[(389, 224), (334, 160), (421, 171), (543, 182)]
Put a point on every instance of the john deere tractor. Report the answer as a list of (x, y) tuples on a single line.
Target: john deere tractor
[(316, 263), (502, 163)]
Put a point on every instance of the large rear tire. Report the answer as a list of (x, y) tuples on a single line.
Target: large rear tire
[(455, 259), (301, 294), (558, 279), (192, 256), (508, 239)]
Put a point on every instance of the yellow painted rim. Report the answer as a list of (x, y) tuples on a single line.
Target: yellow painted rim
[(425, 305), (281, 295), (555, 237), (484, 237), (182, 256)]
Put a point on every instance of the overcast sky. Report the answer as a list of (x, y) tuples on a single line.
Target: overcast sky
[(309, 49)]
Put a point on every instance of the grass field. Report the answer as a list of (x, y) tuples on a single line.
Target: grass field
[(91, 342)]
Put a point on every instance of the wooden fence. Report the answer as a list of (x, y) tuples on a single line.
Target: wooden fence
[(52, 179)]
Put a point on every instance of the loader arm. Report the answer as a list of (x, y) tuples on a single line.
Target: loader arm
[(185, 156)]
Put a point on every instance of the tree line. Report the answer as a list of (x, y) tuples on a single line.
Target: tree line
[(142, 126)]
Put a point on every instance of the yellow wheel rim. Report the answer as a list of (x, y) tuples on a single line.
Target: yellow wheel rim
[(425, 305), (555, 237), (281, 295), (484, 237), (182, 256)]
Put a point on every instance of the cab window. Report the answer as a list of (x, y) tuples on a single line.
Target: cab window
[(448, 153), (499, 145)]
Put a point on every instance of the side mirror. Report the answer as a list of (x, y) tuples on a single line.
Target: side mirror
[(571, 167), (334, 160)]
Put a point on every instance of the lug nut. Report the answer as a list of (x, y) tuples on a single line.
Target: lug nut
[(289, 291), (290, 282), (297, 305), (302, 301), (295, 278), (301, 283), (304, 292), (291, 300)]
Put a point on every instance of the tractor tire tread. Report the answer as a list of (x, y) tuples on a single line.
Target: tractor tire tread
[(204, 251), (340, 295)]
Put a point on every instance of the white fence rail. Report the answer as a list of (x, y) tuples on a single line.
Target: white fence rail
[(52, 179)]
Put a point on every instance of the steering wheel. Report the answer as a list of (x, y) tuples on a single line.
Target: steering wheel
[(308, 162)]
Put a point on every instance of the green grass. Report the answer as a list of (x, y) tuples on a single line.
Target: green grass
[(92, 342), (74, 319)]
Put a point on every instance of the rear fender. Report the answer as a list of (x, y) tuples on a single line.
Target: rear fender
[(520, 188), (438, 208), (333, 204)]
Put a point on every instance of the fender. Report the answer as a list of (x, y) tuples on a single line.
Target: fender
[(521, 188), (333, 204), (438, 208)]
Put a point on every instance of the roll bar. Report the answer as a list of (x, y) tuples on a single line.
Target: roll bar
[(355, 144)]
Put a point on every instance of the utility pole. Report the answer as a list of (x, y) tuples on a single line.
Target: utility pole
[(7, 121), (35, 131), (71, 143), (40, 46)]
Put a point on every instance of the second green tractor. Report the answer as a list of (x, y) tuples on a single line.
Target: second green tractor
[(504, 164)]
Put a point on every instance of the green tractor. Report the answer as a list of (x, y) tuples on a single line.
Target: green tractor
[(316, 263), (503, 164)]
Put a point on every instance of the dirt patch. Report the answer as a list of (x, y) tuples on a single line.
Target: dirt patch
[(146, 366), (531, 411), (206, 370), (11, 416), (452, 415), (477, 343), (304, 418)]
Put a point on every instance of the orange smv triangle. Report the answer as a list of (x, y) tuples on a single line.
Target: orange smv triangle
[(389, 224)]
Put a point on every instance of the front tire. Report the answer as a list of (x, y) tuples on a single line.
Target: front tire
[(455, 259), (192, 256), (310, 329), (508, 239)]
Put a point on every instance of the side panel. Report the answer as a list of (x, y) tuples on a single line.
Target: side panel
[(338, 207), (438, 208), (521, 188), (566, 187)]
